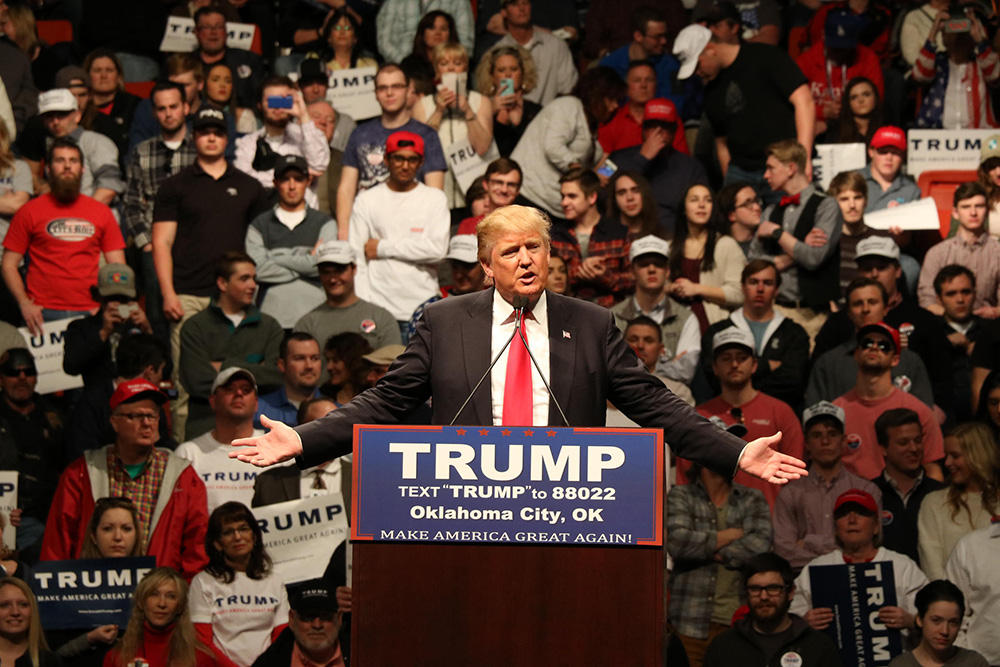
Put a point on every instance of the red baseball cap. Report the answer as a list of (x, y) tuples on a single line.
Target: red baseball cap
[(661, 110), (882, 328), (857, 497), (891, 136), (136, 390), (398, 140)]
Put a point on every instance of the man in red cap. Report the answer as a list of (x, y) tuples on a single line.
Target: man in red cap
[(874, 392), (398, 253), (888, 186), (167, 492), (858, 532), (669, 172), (625, 127)]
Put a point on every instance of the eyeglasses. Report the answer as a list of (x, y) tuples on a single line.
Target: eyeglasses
[(242, 530), (140, 416), (412, 160), (17, 372), (343, 28), (756, 201), (881, 344), (770, 589), (737, 414)]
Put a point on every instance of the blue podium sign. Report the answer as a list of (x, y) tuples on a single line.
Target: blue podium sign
[(508, 485), (855, 592)]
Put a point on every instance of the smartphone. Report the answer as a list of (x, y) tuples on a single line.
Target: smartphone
[(279, 102), (125, 310), (607, 169), (506, 87)]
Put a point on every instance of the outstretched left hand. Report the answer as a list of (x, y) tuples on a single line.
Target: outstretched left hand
[(770, 465)]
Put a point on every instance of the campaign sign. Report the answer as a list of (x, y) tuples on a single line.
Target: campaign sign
[(179, 35), (831, 159), (352, 91), (855, 592), (8, 503), (301, 535), (83, 594), (581, 486), (466, 164), (936, 150), (48, 352)]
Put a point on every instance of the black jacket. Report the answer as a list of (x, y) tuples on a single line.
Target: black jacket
[(737, 646), (899, 522)]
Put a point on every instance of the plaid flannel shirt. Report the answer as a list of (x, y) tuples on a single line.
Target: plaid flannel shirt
[(609, 240), (149, 164), (691, 539), (144, 490)]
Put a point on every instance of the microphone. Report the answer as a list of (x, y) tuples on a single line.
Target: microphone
[(519, 303), (542, 375)]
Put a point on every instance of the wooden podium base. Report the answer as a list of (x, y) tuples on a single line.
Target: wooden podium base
[(524, 605)]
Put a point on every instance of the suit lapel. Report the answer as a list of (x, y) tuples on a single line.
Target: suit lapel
[(476, 330), (292, 484), (562, 353)]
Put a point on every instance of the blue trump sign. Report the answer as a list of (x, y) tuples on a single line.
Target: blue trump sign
[(87, 593), (508, 485), (855, 592)]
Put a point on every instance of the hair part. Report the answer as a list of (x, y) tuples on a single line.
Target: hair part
[(864, 281), (259, 565), (755, 266), (103, 505), (511, 219), (848, 181), (949, 273), (586, 179), (893, 418), (939, 590), (968, 191), (483, 76), (226, 265)]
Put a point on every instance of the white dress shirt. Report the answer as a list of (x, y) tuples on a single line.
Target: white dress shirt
[(536, 328), (330, 476), (973, 568)]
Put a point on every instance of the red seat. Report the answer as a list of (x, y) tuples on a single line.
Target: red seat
[(139, 88), (54, 32), (941, 185), (255, 45)]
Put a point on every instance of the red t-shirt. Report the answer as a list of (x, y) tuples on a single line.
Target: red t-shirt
[(863, 455), (624, 131), (64, 242), (763, 416), (468, 226)]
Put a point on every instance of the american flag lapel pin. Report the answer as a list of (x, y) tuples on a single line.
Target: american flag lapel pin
[(567, 335)]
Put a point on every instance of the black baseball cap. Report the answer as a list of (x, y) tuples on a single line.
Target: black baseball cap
[(208, 117), (312, 70), (287, 162), (312, 595)]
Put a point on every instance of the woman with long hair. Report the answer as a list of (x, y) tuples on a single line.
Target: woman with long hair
[(504, 75), (238, 604), (705, 264), (220, 92), (160, 631), (740, 208), (988, 410), (630, 202), (111, 109), (456, 116), (341, 34), (972, 497), (343, 353), (435, 28), (940, 608), (988, 175), (113, 531), (15, 181), (21, 638), (564, 135), (860, 113)]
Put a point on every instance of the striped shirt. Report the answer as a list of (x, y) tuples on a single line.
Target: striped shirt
[(149, 164)]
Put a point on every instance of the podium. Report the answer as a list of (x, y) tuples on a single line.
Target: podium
[(507, 546)]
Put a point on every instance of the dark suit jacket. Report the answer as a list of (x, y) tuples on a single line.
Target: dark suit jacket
[(278, 485), (589, 363)]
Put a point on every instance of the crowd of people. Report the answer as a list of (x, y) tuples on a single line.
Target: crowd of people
[(234, 249)]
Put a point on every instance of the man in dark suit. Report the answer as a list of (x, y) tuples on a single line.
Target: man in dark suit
[(577, 345)]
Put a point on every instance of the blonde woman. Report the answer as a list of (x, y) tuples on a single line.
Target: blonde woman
[(160, 631), (15, 181), (973, 462), (504, 75), (21, 640), (456, 114)]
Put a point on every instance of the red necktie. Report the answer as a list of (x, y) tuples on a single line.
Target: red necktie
[(789, 199), (517, 403)]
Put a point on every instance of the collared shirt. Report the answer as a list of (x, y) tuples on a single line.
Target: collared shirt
[(300, 660), (329, 473), (981, 256), (149, 164), (277, 406), (894, 485), (973, 568), (536, 329), (143, 491), (303, 139), (902, 190)]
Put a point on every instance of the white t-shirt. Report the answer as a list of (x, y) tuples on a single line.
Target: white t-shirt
[(225, 478), (242, 614)]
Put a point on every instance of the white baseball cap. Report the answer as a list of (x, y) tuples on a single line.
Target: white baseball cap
[(823, 409), (881, 246), (649, 245), (733, 336), (688, 45), (335, 252), (57, 99), (463, 248)]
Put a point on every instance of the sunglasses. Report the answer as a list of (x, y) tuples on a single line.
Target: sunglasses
[(737, 414), (881, 344)]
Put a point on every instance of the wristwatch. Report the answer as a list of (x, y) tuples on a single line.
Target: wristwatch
[(776, 234)]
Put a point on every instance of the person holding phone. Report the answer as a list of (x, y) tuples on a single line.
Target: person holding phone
[(504, 75), (456, 112)]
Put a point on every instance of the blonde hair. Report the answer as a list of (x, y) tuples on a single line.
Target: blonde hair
[(484, 71), (983, 459), (448, 49), (7, 158), (36, 638), (788, 151), (183, 642), (507, 219), (25, 33)]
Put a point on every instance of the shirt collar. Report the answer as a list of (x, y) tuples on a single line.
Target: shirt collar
[(503, 311)]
